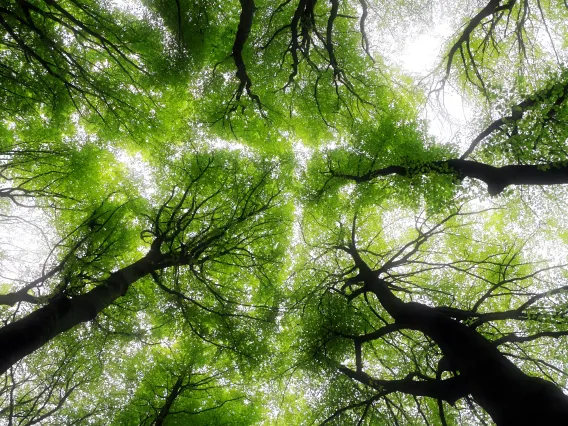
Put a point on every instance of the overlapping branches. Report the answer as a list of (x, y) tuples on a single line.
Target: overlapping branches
[(531, 139), (201, 228), (68, 46), (202, 233), (31, 396), (82, 251), (313, 41), (495, 10), (546, 103), (29, 174), (404, 302), (187, 385), (218, 220)]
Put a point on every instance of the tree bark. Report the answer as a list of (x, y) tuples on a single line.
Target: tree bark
[(170, 399), (509, 396), (11, 299), (248, 9), (496, 178), (24, 336)]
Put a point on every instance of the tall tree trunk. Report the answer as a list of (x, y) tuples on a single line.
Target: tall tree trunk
[(22, 337), (510, 396), (170, 399)]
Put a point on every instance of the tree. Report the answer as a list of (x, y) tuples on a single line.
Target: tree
[(223, 205), (204, 232), (185, 390), (367, 299)]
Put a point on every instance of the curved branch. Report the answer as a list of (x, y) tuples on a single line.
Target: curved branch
[(494, 6), (494, 382), (248, 9), (496, 178), (514, 338), (449, 390), (329, 39), (364, 39)]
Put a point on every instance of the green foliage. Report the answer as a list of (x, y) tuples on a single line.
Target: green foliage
[(128, 132), (207, 395)]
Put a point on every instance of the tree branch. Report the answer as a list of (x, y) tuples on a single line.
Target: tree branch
[(496, 178), (449, 390), (514, 338), (518, 111), (248, 9)]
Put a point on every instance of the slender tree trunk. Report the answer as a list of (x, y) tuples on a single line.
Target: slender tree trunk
[(170, 399), (496, 178), (24, 336)]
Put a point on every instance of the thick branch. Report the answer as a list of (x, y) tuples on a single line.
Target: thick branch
[(514, 338), (496, 178), (170, 399), (494, 382), (377, 334), (303, 20), (245, 24), (11, 299), (449, 390), (329, 38), (364, 39)]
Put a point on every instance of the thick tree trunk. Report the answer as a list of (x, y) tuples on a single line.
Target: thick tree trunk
[(510, 396), (29, 333)]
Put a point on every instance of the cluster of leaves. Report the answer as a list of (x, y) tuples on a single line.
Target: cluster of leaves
[(212, 178)]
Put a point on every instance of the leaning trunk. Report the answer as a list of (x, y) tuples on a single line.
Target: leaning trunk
[(24, 336), (509, 396), (165, 410)]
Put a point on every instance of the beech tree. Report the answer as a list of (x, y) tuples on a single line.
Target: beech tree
[(379, 300), (241, 213)]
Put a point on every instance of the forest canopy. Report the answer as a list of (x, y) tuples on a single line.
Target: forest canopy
[(297, 212)]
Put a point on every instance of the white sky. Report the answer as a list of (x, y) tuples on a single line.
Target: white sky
[(418, 53)]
